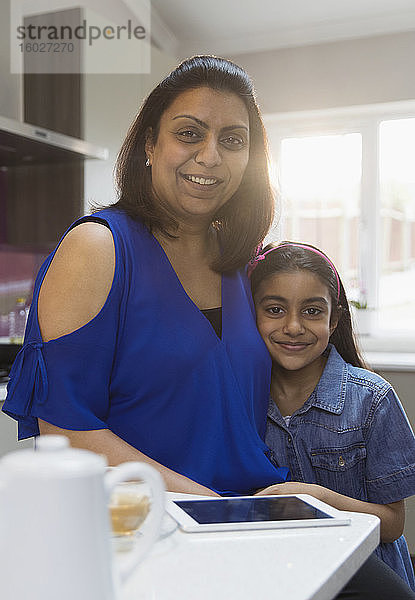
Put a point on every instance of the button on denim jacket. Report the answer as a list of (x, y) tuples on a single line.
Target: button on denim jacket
[(352, 436)]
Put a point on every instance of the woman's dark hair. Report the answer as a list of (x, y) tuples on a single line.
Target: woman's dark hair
[(288, 257), (245, 219)]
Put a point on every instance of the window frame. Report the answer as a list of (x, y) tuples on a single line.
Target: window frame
[(366, 120)]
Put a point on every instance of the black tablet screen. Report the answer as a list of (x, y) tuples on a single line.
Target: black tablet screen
[(237, 510)]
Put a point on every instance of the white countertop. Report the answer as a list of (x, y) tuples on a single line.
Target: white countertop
[(295, 564)]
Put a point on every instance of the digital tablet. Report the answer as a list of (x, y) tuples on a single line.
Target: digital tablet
[(253, 512)]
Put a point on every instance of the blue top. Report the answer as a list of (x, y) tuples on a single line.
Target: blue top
[(351, 436), (151, 368)]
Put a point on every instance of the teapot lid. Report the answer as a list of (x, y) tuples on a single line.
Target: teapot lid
[(53, 455)]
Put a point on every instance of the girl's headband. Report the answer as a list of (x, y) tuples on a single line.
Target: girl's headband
[(258, 257)]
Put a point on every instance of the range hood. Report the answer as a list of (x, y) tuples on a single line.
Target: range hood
[(23, 143)]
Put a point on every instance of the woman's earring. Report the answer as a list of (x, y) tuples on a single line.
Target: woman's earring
[(147, 162)]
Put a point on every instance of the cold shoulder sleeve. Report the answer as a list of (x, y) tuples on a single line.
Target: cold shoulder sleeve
[(66, 381)]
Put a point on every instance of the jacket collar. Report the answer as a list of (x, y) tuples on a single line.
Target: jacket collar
[(330, 392)]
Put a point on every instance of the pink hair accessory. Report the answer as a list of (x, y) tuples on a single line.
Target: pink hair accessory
[(254, 261), (258, 257)]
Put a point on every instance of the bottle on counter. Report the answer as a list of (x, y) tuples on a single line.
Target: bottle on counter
[(17, 321)]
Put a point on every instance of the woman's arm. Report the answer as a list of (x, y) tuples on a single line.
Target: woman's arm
[(78, 280), (103, 441), (392, 516), (74, 290)]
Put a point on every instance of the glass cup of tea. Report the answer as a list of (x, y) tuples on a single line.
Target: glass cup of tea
[(129, 506)]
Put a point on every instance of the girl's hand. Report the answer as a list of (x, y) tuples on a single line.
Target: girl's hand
[(293, 487), (392, 516)]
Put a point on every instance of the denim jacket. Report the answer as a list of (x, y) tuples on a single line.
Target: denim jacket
[(352, 436)]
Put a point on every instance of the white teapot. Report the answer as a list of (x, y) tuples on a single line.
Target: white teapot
[(55, 539)]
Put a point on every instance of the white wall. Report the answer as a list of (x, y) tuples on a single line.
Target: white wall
[(359, 71), (404, 384)]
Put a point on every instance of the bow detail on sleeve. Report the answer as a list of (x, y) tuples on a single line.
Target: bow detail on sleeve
[(32, 380)]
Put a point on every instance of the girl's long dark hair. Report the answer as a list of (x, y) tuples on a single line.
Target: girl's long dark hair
[(246, 218), (289, 258)]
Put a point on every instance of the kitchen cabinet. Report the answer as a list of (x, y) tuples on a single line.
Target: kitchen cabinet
[(41, 182), (41, 178), (41, 193)]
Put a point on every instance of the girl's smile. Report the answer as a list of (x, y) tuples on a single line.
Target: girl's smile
[(292, 347)]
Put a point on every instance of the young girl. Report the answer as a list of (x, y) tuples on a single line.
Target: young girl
[(339, 428)]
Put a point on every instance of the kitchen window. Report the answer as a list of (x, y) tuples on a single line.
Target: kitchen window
[(397, 223), (346, 181)]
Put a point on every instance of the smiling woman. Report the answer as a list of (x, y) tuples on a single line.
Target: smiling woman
[(245, 218), (142, 329)]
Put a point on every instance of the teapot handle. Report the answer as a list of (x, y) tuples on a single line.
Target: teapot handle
[(140, 470)]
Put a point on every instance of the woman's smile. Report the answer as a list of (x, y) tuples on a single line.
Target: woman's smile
[(198, 185), (202, 180)]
